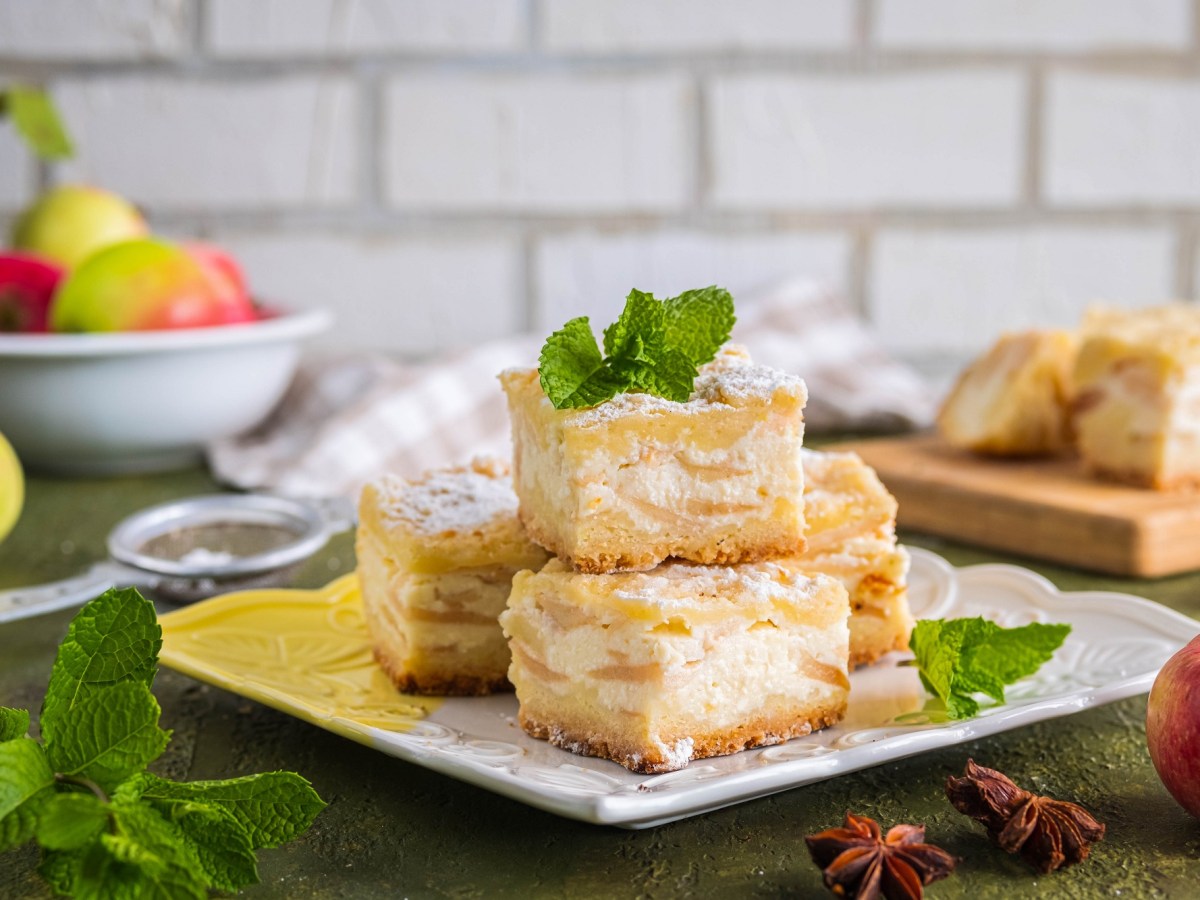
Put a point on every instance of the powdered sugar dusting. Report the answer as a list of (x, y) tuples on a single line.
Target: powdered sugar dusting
[(682, 584), (461, 499)]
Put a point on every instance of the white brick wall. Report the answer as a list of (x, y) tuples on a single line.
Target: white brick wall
[(590, 274), (406, 294), (674, 26), (935, 139), (517, 143), (1119, 139), (955, 166), (173, 144), (109, 29), (938, 291), (266, 28), (16, 171), (1069, 25)]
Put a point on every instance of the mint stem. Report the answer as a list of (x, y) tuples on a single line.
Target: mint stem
[(80, 781)]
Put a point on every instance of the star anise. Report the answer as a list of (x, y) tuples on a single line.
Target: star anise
[(1049, 834), (860, 862)]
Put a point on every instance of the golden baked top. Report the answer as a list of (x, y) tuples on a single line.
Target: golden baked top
[(1172, 330), (843, 498), (454, 518)]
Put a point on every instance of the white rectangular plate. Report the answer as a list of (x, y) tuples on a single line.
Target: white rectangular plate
[(307, 653)]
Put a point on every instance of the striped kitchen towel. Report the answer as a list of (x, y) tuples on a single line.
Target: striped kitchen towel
[(345, 420)]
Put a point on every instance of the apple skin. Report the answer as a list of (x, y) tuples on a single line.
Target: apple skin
[(145, 285), (67, 224), (219, 264), (1173, 726), (27, 285), (12, 488)]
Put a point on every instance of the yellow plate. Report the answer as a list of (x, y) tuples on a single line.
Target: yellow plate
[(304, 652)]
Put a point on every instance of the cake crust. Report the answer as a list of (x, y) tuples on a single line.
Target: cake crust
[(585, 739)]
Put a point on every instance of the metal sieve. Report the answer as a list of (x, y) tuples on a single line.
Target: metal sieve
[(186, 550)]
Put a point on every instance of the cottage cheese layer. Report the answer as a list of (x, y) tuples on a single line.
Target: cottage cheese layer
[(626, 484), (852, 537), (1137, 406), (436, 559), (655, 669)]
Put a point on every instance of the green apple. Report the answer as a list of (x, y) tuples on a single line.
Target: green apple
[(68, 224), (143, 285), (12, 488)]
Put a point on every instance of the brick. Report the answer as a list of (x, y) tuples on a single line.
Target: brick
[(410, 295), (16, 170), (1120, 139), (942, 139), (673, 26), (934, 291), (267, 28), (590, 274), (1063, 25), (109, 30), (547, 143), (273, 142)]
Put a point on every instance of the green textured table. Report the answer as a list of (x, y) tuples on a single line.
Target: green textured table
[(394, 829)]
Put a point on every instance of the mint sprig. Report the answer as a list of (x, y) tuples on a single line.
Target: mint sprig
[(655, 347), (961, 657), (37, 121), (106, 826)]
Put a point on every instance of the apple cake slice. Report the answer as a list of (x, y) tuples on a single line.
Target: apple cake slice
[(436, 557), (626, 484), (655, 669), (852, 536)]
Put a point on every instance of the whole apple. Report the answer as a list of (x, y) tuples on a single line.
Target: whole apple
[(1173, 726), (27, 284), (145, 285), (12, 488), (67, 224)]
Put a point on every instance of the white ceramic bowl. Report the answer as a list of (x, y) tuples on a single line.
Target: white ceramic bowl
[(141, 401)]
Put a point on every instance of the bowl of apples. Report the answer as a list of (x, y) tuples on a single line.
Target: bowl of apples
[(123, 352)]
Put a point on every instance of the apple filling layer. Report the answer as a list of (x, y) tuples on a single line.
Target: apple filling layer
[(686, 661)]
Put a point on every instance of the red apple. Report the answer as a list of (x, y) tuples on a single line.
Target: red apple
[(1173, 726), (26, 287), (67, 224), (219, 264), (145, 285)]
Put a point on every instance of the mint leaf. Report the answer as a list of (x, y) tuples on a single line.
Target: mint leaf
[(37, 121), (572, 372), (113, 638), (148, 855), (273, 808), (961, 657), (14, 723), (222, 845), (25, 781), (70, 821), (697, 323), (110, 737), (60, 869), (655, 346)]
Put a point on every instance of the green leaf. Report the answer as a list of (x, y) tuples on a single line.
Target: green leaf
[(60, 869), (69, 821), (697, 323), (14, 723), (111, 736), (114, 638), (221, 843), (147, 856), (38, 122), (655, 346), (26, 779), (958, 658), (572, 372), (273, 808)]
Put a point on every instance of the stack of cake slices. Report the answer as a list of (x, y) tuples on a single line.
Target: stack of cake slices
[(660, 581)]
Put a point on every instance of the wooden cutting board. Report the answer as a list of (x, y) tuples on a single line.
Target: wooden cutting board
[(1047, 509)]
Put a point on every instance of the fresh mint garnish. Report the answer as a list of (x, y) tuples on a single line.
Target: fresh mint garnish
[(655, 347), (106, 826), (961, 657)]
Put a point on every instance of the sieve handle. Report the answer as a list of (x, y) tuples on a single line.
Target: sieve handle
[(26, 602)]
